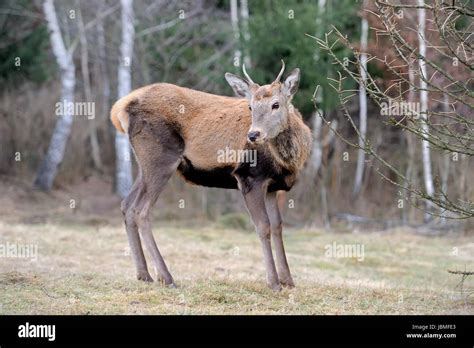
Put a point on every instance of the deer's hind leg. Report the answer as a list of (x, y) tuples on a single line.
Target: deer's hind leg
[(158, 150), (149, 191), (132, 233)]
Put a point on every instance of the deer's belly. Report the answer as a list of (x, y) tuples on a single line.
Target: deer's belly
[(220, 177)]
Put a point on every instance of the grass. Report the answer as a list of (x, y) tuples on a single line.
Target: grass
[(86, 268)]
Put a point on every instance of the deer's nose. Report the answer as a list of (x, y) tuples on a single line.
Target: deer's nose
[(253, 135)]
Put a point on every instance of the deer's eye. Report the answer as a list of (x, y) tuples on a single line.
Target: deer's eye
[(250, 108), (275, 106)]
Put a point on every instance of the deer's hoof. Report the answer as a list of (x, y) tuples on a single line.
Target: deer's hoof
[(275, 287), (144, 276), (169, 283), (287, 284)]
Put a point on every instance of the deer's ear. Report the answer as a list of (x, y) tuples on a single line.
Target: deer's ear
[(240, 86), (290, 86)]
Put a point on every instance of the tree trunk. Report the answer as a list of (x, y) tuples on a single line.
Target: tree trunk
[(244, 12), (57, 146), (234, 17), (409, 174), (104, 81), (359, 174), (319, 24), (446, 162), (316, 151), (319, 18), (315, 158), (122, 145), (94, 142), (427, 171)]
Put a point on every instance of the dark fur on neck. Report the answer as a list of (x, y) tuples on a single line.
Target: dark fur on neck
[(291, 147)]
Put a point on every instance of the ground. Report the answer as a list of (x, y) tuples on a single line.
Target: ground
[(84, 266)]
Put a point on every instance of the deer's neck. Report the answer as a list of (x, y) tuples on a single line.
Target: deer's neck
[(291, 147)]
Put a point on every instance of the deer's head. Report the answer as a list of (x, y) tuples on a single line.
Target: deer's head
[(270, 104)]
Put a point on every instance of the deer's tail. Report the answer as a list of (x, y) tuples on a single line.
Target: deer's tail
[(119, 114)]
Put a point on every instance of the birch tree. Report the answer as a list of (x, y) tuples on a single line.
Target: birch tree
[(57, 146), (425, 147), (234, 18), (315, 160), (362, 106), (244, 12), (104, 76), (122, 145), (94, 142), (316, 151), (411, 148)]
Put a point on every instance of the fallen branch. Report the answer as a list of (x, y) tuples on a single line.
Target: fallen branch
[(461, 286)]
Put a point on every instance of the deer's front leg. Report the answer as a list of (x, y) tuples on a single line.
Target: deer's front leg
[(255, 201), (273, 212)]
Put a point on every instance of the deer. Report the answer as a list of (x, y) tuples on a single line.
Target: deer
[(174, 129)]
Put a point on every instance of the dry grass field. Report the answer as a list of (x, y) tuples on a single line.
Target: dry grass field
[(84, 267)]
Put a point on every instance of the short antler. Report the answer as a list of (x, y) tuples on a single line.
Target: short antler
[(281, 71), (247, 75)]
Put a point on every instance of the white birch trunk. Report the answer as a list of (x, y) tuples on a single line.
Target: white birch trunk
[(316, 151), (322, 6), (427, 171), (104, 79), (359, 174), (234, 17), (57, 146), (122, 145), (446, 161), (322, 9), (244, 12), (409, 174), (319, 22), (94, 141)]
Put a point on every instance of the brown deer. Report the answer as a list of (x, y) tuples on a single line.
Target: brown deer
[(172, 128)]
